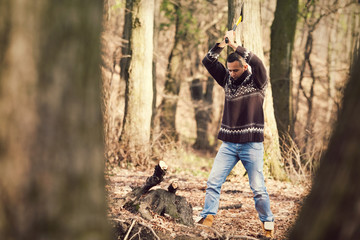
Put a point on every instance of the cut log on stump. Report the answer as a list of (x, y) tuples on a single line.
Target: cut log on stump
[(159, 201), (173, 187), (155, 179), (164, 202)]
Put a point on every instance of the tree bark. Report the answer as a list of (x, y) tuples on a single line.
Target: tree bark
[(135, 134), (173, 81), (51, 145), (203, 111), (282, 41), (249, 33), (126, 49), (155, 60), (331, 211)]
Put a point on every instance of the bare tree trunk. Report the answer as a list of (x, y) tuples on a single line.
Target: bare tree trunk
[(173, 81), (203, 111), (250, 35), (51, 146), (202, 97), (155, 59), (331, 64), (309, 95), (139, 86), (126, 49), (332, 209), (282, 41)]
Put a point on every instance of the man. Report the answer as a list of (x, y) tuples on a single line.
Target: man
[(242, 128)]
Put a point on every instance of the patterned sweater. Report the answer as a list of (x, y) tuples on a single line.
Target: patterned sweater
[(243, 117)]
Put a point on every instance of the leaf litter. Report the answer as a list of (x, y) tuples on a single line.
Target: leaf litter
[(239, 222)]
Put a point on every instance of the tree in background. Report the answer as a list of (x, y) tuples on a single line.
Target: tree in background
[(157, 22), (135, 134), (51, 145), (282, 41), (325, 37), (202, 99), (331, 211), (177, 14), (209, 29), (250, 34)]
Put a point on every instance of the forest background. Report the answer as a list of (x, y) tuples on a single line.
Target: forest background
[(158, 103), (307, 47)]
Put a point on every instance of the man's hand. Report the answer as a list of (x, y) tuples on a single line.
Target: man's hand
[(231, 36)]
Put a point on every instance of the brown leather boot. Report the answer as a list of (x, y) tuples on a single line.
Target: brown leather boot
[(208, 221), (268, 228)]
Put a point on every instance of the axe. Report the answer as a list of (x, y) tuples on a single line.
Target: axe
[(240, 19)]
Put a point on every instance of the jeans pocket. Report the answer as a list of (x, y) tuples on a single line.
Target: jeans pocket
[(256, 145)]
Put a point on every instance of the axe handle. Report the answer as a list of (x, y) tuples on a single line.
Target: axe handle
[(240, 19), (234, 28)]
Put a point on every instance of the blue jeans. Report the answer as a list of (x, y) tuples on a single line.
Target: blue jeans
[(251, 156)]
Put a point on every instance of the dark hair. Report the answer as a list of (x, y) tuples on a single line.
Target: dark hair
[(234, 56)]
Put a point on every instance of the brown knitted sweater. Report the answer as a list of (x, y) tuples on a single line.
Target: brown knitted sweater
[(243, 117)]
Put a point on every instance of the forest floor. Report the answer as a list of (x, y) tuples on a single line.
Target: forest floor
[(241, 223)]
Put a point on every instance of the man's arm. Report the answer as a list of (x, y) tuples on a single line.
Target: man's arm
[(214, 67)]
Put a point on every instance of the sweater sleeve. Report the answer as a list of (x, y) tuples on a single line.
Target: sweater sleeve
[(214, 67), (257, 67)]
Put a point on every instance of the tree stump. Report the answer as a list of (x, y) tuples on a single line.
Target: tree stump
[(159, 201)]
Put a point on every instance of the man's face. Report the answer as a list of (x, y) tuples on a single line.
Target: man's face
[(235, 69)]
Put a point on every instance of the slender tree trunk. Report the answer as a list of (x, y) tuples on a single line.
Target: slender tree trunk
[(282, 41), (203, 111), (331, 211), (311, 25), (202, 98), (139, 86), (172, 82), (331, 64), (126, 49), (250, 34), (51, 145), (155, 58), (309, 127)]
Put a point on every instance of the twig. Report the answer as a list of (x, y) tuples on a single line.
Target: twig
[(151, 229), (138, 233), (131, 227), (211, 229), (217, 233), (244, 237), (234, 206)]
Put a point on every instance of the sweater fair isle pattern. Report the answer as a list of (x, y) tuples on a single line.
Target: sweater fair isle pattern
[(243, 117)]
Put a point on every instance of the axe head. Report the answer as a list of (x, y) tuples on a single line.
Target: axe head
[(241, 18)]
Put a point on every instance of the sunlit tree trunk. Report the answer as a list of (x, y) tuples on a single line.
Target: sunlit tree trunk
[(51, 145), (332, 209), (157, 5), (249, 33), (135, 134), (282, 41), (330, 65)]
